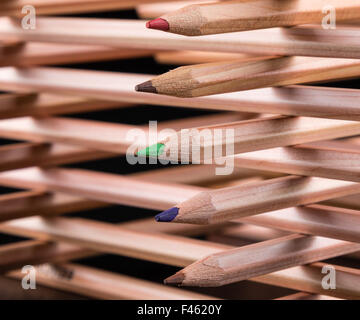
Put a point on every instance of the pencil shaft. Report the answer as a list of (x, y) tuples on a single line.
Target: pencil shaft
[(309, 101), (250, 261), (100, 284), (343, 42), (46, 7), (230, 76), (232, 16)]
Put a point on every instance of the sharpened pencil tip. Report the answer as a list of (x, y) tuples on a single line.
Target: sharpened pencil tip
[(167, 215), (158, 24), (176, 279), (146, 87), (153, 151)]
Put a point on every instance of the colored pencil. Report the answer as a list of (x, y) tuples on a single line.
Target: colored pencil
[(203, 144), (232, 16), (186, 252), (226, 204), (309, 101), (37, 53), (230, 76), (300, 41), (99, 284), (48, 7)]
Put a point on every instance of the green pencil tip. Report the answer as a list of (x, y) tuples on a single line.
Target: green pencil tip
[(153, 151)]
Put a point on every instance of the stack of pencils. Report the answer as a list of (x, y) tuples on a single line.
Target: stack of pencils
[(278, 75)]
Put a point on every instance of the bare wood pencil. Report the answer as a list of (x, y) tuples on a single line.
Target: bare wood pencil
[(307, 296), (22, 155), (232, 16), (44, 104), (137, 192), (240, 201), (29, 203), (195, 57), (249, 261), (329, 159), (16, 255), (130, 34), (37, 53), (309, 279), (153, 10), (46, 7), (99, 284), (111, 138), (309, 101), (230, 76), (191, 249), (203, 144)]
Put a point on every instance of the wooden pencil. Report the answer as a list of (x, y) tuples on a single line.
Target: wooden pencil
[(22, 155), (130, 34), (204, 144), (112, 139), (298, 100), (37, 53), (143, 193), (121, 242), (249, 261), (18, 254), (196, 57), (231, 16), (153, 10), (307, 296), (235, 202), (99, 284), (107, 238), (309, 279), (22, 104), (36, 202), (329, 159), (48, 7), (230, 76)]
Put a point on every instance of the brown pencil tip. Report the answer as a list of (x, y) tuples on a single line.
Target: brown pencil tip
[(176, 279), (146, 87), (158, 24)]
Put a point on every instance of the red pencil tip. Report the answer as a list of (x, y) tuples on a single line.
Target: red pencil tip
[(158, 24)]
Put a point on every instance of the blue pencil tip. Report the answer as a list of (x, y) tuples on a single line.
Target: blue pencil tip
[(167, 215)]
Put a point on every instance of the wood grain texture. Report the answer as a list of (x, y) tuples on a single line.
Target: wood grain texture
[(100, 284), (310, 101), (343, 42), (232, 16)]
